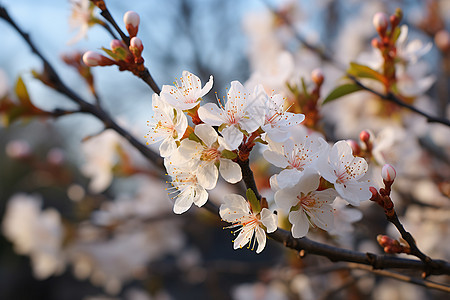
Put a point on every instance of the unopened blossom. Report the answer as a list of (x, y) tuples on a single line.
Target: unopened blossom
[(187, 93), (307, 206), (277, 120), (187, 187), (237, 210), (344, 170), (204, 156), (241, 112), (168, 125), (296, 154)]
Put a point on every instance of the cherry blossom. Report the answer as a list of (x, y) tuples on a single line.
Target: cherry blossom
[(204, 156), (241, 112), (187, 93), (82, 17), (294, 155), (168, 125), (237, 210), (307, 205), (277, 119), (342, 169), (187, 186)]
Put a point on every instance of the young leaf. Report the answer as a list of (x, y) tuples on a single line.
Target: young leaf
[(362, 71), (254, 202), (342, 90)]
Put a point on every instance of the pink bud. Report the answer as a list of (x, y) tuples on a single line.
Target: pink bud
[(115, 44), (136, 43), (92, 59), (18, 149), (364, 136), (388, 173), (442, 40), (317, 76), (131, 20), (380, 22)]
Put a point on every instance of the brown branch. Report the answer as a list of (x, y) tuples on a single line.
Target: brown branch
[(144, 75), (401, 277), (85, 106), (328, 58)]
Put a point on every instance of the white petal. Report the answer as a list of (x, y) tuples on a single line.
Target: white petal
[(261, 239), (354, 192), (183, 201), (269, 220), (201, 196), (233, 136), (243, 238), (207, 175), (207, 87), (211, 114), (300, 224), (230, 171), (277, 159), (206, 133), (167, 147)]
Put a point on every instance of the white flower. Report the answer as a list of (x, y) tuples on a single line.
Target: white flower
[(237, 210), (100, 153), (36, 233), (307, 205), (412, 51), (342, 169), (277, 120), (344, 217), (186, 94), (168, 124), (206, 155), (241, 112), (81, 17), (294, 155), (188, 187)]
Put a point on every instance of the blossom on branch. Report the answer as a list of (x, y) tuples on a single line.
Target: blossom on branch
[(307, 205), (237, 210), (168, 125), (187, 93), (204, 156), (240, 113), (342, 169)]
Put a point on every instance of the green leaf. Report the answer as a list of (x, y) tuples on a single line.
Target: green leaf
[(305, 89), (228, 154), (22, 93), (363, 71), (396, 34), (113, 55), (342, 90), (254, 202)]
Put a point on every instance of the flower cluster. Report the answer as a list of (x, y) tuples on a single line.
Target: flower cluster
[(313, 172)]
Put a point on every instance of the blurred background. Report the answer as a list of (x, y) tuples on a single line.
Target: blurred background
[(85, 216)]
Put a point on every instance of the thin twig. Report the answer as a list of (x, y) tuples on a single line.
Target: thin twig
[(402, 277), (84, 105), (328, 58)]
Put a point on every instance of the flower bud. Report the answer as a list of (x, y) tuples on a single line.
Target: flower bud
[(116, 44), (136, 47), (380, 22), (442, 40), (131, 20), (92, 59), (388, 173), (364, 136), (317, 76), (18, 149)]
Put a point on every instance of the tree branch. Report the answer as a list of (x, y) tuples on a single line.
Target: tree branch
[(85, 106), (328, 58)]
